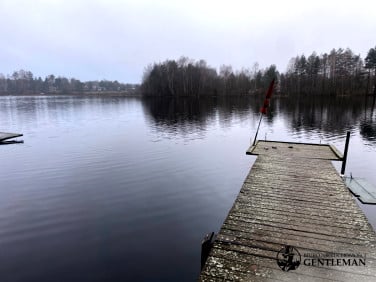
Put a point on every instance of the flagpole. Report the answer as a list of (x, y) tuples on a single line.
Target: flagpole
[(258, 127), (264, 107)]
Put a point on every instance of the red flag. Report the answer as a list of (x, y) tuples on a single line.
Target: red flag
[(270, 90), (263, 110), (267, 98)]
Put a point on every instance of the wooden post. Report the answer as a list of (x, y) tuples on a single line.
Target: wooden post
[(345, 153), (258, 127)]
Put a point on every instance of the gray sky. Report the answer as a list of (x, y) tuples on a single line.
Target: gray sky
[(116, 40)]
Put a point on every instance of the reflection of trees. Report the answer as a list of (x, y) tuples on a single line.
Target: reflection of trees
[(368, 130), (173, 111), (194, 115), (367, 127), (177, 116), (329, 116)]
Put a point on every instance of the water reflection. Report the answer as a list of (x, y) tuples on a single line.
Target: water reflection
[(368, 130), (189, 116), (322, 115)]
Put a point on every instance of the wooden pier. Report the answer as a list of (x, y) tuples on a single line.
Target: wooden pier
[(4, 136), (293, 220)]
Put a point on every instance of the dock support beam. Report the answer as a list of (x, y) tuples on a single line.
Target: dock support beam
[(206, 246), (345, 153)]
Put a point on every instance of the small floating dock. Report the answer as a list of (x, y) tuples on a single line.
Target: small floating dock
[(293, 220), (4, 136), (362, 189)]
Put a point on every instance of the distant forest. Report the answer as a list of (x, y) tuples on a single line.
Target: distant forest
[(338, 73), (23, 82)]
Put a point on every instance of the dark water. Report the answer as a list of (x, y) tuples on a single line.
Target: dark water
[(123, 189)]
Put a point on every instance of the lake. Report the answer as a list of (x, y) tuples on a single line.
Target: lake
[(124, 189)]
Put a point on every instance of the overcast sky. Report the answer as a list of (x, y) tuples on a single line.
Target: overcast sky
[(115, 40)]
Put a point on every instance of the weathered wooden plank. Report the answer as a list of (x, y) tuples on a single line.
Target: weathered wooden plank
[(311, 215), (296, 150), (303, 220), (301, 206), (292, 196), (275, 243), (353, 234), (5, 136), (271, 230)]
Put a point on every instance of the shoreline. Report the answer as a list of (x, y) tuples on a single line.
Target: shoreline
[(102, 93)]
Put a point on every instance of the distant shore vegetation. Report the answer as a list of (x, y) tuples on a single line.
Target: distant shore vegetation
[(23, 82), (340, 72)]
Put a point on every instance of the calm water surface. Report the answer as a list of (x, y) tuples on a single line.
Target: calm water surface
[(124, 189)]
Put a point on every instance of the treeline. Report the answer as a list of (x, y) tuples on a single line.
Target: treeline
[(337, 73), (185, 77), (24, 82), (341, 72)]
